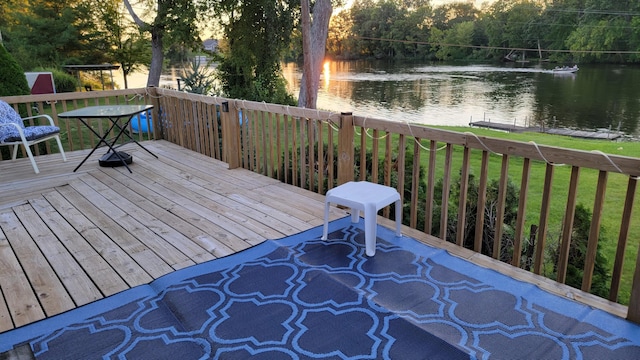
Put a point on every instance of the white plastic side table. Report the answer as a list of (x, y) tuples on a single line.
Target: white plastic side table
[(366, 197)]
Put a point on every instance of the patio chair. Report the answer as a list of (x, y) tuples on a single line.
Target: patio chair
[(14, 132)]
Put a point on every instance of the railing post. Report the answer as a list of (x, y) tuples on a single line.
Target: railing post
[(230, 135), (346, 149)]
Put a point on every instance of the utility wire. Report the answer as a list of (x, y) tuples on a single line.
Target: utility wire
[(500, 47)]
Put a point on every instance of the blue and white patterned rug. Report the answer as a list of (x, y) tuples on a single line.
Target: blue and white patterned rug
[(304, 298)]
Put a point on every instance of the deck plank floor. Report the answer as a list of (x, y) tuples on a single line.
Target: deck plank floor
[(67, 239), (70, 238)]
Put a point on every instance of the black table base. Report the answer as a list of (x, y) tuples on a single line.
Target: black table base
[(113, 159)]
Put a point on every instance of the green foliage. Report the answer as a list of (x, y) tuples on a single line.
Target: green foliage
[(570, 30), (49, 33), (199, 79), (249, 64), (122, 41), (12, 78), (461, 34)]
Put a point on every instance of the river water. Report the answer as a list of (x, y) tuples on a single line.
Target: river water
[(596, 97)]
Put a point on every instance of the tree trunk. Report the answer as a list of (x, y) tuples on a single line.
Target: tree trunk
[(157, 57), (157, 53), (314, 43)]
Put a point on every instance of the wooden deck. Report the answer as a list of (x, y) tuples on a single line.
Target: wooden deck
[(67, 239)]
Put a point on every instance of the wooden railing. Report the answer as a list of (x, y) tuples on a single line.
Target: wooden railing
[(442, 175)]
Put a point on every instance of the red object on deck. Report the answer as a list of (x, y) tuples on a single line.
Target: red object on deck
[(41, 82)]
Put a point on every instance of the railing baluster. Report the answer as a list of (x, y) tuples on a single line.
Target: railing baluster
[(312, 153), (544, 220), (402, 146), (567, 227), (287, 149), (279, 120), (330, 156), (264, 136), (594, 231), (294, 151), (363, 154), (625, 224), (431, 184), (387, 168), (464, 193), (321, 157), (522, 212), (482, 202), (375, 156), (415, 184), (502, 194), (446, 189)]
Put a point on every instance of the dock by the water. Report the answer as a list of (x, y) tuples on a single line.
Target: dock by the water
[(583, 134)]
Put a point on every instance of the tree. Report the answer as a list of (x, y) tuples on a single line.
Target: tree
[(339, 33), (256, 35), (512, 24), (12, 78), (314, 40), (123, 42), (454, 43), (50, 33), (173, 20)]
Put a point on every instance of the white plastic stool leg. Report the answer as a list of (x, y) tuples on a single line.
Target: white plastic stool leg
[(398, 218), (325, 228), (370, 225), (355, 215)]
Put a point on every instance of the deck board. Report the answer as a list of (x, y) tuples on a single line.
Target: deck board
[(69, 238)]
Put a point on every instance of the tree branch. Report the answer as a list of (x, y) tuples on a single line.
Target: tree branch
[(141, 24)]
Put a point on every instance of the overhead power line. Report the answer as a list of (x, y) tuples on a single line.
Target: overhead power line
[(500, 47)]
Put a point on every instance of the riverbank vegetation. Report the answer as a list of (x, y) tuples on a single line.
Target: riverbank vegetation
[(583, 31)]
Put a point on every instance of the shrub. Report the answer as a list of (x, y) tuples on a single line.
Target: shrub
[(12, 78)]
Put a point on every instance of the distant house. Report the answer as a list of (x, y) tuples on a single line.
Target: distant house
[(210, 45)]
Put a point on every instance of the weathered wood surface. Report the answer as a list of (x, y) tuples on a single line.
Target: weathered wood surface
[(67, 239)]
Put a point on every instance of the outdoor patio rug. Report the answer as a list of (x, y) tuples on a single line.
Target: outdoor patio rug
[(304, 298)]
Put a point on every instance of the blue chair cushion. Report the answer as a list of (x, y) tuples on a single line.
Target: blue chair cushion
[(30, 133), (10, 134)]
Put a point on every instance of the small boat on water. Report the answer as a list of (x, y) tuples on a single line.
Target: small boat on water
[(566, 69)]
